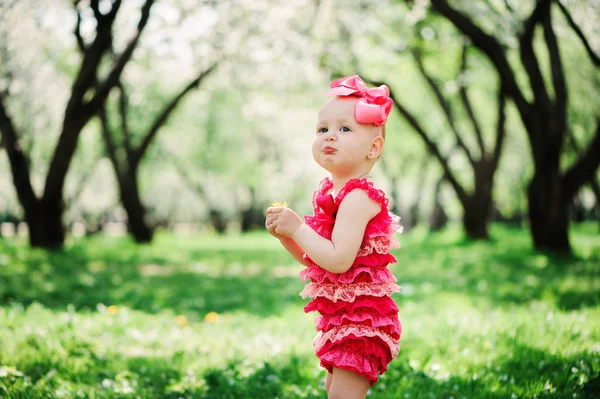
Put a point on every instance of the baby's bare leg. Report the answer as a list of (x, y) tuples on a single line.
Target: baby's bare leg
[(348, 385), (327, 381)]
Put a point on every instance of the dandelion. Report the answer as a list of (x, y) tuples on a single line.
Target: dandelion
[(211, 317), (112, 310), (182, 320), (282, 204)]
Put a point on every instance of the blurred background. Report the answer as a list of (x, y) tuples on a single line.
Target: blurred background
[(176, 123), (191, 116)]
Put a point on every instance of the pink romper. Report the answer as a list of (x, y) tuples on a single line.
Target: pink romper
[(358, 326)]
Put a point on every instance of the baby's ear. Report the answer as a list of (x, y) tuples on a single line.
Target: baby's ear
[(376, 147)]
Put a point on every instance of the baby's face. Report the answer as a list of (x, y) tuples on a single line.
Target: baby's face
[(341, 144)]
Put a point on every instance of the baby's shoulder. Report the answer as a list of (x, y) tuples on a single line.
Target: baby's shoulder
[(364, 188)]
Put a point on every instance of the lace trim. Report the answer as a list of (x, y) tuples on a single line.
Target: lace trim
[(383, 305), (325, 323), (348, 292), (375, 194), (365, 365), (380, 244), (341, 332), (374, 265), (395, 226)]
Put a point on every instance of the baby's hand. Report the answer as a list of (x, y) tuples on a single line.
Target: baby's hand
[(282, 221), (270, 225)]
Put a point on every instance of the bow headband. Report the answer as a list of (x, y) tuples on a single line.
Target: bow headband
[(373, 105)]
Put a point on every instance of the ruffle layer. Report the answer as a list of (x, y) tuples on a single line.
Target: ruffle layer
[(348, 292), (390, 324), (374, 265), (366, 304), (355, 331), (321, 223), (360, 345), (366, 365), (383, 224), (379, 244)]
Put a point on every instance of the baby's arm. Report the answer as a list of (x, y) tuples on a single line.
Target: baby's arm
[(294, 249), (288, 243), (338, 254)]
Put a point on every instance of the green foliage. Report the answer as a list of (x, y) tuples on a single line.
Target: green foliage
[(480, 320)]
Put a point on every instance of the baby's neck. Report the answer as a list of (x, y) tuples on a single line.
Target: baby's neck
[(340, 182)]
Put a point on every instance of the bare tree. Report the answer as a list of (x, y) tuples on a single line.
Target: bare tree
[(126, 168), (550, 190), (476, 204), (89, 91)]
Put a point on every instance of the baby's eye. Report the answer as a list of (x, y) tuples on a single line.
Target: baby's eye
[(322, 130), (345, 129)]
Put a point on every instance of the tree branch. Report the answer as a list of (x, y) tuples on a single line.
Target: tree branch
[(116, 4), (467, 104), (558, 76), (443, 103), (500, 126), (18, 161), (431, 146), (111, 148), (529, 59), (80, 42), (115, 74), (593, 56), (97, 14), (585, 168), (123, 110), (86, 77), (489, 46), (164, 115), (76, 114)]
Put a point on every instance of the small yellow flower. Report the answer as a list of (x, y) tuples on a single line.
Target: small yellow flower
[(182, 320), (112, 310), (211, 317), (283, 204)]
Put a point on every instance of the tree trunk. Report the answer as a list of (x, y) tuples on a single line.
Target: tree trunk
[(438, 218), (217, 220), (478, 206), (548, 214), (252, 218), (130, 198), (476, 217), (45, 226)]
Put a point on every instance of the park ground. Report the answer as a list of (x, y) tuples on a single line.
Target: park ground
[(220, 317)]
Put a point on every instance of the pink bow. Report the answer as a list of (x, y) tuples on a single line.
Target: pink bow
[(373, 106), (328, 205)]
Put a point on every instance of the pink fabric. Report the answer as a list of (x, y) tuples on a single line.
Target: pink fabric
[(339, 333), (371, 319), (373, 105), (358, 326), (348, 292), (383, 305), (359, 271)]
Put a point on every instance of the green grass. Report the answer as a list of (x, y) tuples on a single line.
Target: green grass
[(480, 319)]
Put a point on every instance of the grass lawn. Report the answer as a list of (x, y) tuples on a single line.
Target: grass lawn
[(220, 317)]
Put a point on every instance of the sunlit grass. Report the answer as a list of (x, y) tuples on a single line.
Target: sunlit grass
[(220, 317)]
